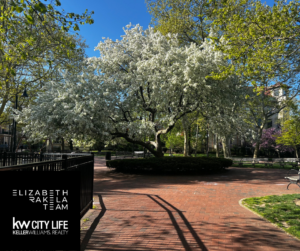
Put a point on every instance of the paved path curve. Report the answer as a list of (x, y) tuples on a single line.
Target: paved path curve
[(152, 212)]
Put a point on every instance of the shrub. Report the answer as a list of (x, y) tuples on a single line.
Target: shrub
[(169, 164), (224, 162)]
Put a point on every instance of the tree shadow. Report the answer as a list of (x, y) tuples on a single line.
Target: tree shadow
[(145, 221), (162, 235), (149, 222)]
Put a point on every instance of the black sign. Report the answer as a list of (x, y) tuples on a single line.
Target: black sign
[(40, 210)]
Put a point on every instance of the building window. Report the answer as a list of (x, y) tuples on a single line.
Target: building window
[(276, 92)]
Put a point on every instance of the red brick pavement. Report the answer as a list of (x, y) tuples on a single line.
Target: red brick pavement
[(160, 212)]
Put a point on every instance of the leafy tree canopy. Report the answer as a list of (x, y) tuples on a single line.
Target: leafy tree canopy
[(262, 43), (34, 45), (139, 86)]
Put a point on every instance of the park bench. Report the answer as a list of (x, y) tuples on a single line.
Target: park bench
[(295, 163), (123, 154), (139, 154), (269, 163), (294, 179), (240, 162), (255, 161), (281, 163)]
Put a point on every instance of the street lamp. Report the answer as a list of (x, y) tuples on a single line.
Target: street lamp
[(15, 123), (10, 133)]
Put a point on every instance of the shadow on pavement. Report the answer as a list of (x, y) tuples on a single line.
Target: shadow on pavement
[(94, 238)]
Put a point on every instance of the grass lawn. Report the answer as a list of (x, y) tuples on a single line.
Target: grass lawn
[(193, 155), (280, 210)]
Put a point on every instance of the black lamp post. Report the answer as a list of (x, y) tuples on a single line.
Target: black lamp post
[(15, 123), (144, 147), (10, 133)]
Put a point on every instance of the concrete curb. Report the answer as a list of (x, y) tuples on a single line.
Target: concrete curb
[(240, 202), (88, 214)]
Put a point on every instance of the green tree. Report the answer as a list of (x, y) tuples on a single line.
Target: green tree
[(190, 19), (290, 135), (259, 109), (262, 42), (187, 18), (198, 132), (193, 20), (262, 45), (34, 45), (187, 134)]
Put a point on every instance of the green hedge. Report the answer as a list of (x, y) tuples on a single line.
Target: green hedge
[(224, 162), (170, 164)]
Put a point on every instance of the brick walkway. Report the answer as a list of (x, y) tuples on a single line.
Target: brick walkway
[(143, 212)]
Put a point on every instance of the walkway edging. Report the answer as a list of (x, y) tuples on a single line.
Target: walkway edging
[(240, 202)]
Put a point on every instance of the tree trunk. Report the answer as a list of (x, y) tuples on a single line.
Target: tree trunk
[(185, 125), (159, 151), (189, 141), (49, 145), (278, 154), (255, 155), (62, 145), (296, 152), (217, 150), (196, 146), (207, 142), (225, 147), (29, 146), (19, 143), (228, 147), (43, 146), (186, 143), (71, 145)]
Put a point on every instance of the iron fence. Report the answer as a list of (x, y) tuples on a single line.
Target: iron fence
[(10, 159), (20, 158), (83, 164)]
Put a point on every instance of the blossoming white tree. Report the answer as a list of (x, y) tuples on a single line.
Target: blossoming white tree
[(140, 85)]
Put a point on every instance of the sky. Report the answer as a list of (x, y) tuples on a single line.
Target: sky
[(110, 16)]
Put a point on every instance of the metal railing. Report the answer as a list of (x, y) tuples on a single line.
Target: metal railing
[(10, 159), (20, 158), (83, 164)]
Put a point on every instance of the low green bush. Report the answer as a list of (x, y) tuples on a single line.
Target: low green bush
[(169, 164), (224, 162)]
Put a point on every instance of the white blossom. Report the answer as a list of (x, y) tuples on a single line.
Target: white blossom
[(141, 76)]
